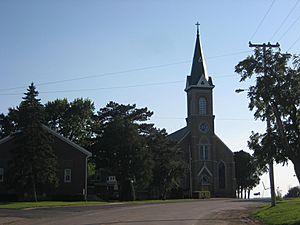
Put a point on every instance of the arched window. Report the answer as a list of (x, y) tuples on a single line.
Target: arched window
[(202, 106), (221, 175), (204, 180), (203, 148)]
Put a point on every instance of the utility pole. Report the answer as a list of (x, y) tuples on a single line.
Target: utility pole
[(271, 168)]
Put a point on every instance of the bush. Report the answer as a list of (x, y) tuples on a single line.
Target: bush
[(293, 192), (201, 194)]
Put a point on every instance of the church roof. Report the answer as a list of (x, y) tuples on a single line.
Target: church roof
[(199, 66), (179, 134)]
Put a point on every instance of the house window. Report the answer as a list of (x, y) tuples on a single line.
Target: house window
[(1, 174), (111, 178), (202, 106), (203, 152), (68, 176), (221, 175)]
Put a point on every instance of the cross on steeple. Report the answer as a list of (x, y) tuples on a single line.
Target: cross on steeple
[(197, 24)]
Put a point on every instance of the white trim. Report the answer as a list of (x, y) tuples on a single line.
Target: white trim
[(187, 133), (205, 168), (6, 139), (67, 141), (68, 172)]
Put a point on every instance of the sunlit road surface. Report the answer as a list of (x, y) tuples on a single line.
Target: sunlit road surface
[(204, 212)]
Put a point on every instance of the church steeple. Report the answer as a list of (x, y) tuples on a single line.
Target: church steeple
[(198, 70)]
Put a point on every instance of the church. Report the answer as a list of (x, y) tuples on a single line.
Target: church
[(211, 163)]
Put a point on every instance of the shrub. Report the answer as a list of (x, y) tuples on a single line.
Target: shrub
[(293, 192)]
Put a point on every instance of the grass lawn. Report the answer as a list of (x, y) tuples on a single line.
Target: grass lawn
[(24, 205), (286, 212)]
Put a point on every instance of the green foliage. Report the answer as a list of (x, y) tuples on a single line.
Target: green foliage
[(6, 125), (275, 96), (168, 164), (73, 120), (120, 145), (285, 212), (247, 171), (123, 144), (33, 160), (293, 192)]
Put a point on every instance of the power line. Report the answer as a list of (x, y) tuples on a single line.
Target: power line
[(220, 119), (262, 20), (285, 19), (229, 54), (109, 88), (295, 42), (103, 88), (290, 27), (120, 72), (98, 75)]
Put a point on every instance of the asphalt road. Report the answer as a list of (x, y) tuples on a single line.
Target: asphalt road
[(204, 212)]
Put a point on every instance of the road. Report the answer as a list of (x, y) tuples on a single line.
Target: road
[(204, 212)]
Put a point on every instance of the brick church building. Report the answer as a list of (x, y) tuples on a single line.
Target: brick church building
[(210, 161)]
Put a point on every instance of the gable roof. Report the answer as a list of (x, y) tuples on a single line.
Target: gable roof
[(180, 134), (76, 146), (7, 138)]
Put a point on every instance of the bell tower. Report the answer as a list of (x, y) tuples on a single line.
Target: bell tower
[(200, 119), (211, 163)]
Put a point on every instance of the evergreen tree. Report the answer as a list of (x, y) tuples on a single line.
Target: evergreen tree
[(169, 166), (120, 146), (34, 162)]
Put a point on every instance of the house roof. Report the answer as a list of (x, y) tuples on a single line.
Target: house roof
[(76, 146), (180, 134), (7, 138)]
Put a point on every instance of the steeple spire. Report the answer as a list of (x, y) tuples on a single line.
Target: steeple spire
[(198, 66), (197, 24)]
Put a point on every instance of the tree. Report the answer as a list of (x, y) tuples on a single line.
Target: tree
[(247, 172), (33, 160), (275, 96), (293, 192), (73, 120), (6, 125), (169, 166), (120, 146)]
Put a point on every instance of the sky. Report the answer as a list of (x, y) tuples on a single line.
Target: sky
[(140, 52)]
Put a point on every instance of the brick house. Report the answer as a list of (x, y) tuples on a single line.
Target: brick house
[(72, 171), (210, 161)]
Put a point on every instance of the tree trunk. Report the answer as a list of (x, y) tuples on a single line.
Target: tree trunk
[(272, 184), (34, 188), (296, 162), (245, 193), (238, 192), (249, 193)]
